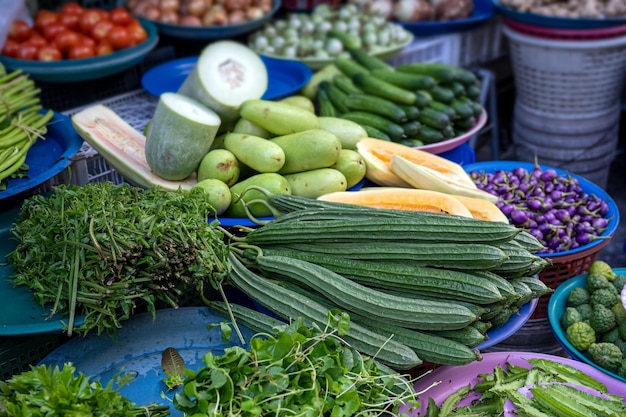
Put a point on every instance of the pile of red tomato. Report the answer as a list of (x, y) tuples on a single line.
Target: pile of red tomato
[(73, 32)]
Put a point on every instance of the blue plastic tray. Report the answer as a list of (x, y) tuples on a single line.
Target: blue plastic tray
[(138, 346), (557, 22), (587, 186), (47, 157), (72, 70), (483, 11), (22, 314), (556, 307), (284, 77)]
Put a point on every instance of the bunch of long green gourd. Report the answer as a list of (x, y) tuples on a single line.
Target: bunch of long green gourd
[(96, 253), (22, 122), (419, 287)]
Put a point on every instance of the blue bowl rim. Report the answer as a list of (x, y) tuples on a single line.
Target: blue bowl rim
[(556, 306), (588, 186)]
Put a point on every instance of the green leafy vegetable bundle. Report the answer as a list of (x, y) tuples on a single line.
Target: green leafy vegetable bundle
[(52, 391), (297, 371), (100, 250)]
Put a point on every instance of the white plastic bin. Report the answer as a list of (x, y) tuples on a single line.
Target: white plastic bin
[(567, 76)]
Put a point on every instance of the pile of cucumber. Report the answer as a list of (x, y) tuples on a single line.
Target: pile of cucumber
[(414, 104)]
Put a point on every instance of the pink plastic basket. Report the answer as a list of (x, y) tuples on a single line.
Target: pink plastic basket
[(565, 34)]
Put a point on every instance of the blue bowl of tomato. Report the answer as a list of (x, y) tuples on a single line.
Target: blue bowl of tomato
[(88, 67)]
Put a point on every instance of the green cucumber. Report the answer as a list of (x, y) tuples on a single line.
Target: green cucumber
[(429, 135), (405, 80), (372, 132), (412, 128), (442, 94), (412, 112), (443, 74), (423, 99), (469, 336), (325, 107), (349, 67), (336, 96), (433, 118), (466, 123), (345, 84), (444, 108), (412, 142), (392, 129), (457, 88), (371, 84), (375, 104), (462, 108), (368, 61), (473, 92)]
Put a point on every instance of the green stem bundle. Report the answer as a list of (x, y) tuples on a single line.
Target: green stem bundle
[(94, 253)]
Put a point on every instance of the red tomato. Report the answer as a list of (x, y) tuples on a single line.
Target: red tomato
[(43, 18), (26, 50), (88, 20), (19, 31), (101, 29), (137, 33), (81, 50), (121, 16), (87, 40), (119, 38), (70, 20), (10, 48), (72, 7), (103, 48), (66, 40), (51, 30), (49, 53), (37, 39)]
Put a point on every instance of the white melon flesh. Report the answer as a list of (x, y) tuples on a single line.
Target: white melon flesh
[(227, 74)]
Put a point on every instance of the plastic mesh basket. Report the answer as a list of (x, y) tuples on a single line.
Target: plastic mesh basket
[(567, 77), (562, 268)]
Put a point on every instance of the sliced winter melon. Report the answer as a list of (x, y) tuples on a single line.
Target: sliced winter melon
[(378, 153), (409, 199), (180, 134), (227, 74), (122, 147)]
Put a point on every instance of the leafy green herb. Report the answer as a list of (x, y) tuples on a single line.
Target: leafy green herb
[(101, 250), (47, 391), (298, 371)]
